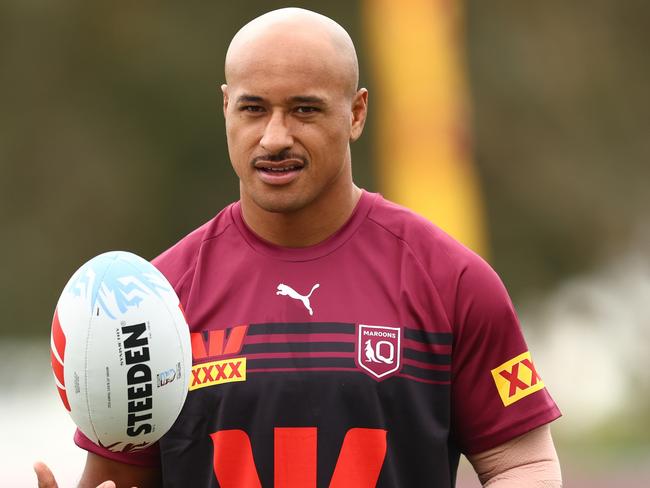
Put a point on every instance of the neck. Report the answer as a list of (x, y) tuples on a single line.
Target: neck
[(306, 226)]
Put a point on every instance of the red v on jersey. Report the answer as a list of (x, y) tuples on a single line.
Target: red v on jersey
[(359, 462)]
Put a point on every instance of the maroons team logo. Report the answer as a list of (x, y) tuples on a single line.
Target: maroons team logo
[(378, 349)]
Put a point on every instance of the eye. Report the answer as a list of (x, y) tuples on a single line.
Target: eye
[(251, 108), (306, 109)]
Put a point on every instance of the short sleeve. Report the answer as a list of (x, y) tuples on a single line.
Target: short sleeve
[(497, 393), (149, 457)]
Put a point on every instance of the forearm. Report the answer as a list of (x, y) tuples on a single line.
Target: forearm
[(538, 475), (529, 460)]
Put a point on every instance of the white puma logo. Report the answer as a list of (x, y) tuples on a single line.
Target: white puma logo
[(291, 293)]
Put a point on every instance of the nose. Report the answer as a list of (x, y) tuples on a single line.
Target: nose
[(277, 136)]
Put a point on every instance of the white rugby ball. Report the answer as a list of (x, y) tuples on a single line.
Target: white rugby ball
[(120, 350)]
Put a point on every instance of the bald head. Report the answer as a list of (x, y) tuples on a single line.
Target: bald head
[(290, 36)]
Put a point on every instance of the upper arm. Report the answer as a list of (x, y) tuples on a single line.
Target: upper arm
[(497, 394), (99, 469), (527, 460)]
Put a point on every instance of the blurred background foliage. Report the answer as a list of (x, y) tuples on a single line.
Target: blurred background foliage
[(112, 137), (562, 126), (111, 133)]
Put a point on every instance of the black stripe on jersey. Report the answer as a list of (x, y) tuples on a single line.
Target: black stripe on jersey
[(273, 363), (301, 328), (298, 347), (426, 374), (443, 338), (426, 357)]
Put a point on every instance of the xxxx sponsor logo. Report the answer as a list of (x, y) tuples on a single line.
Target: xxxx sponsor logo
[(516, 379), (218, 372), (212, 345)]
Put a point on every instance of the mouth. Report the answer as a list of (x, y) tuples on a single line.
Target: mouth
[(279, 172), (279, 169)]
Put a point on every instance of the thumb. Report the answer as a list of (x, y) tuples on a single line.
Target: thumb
[(107, 484), (44, 476)]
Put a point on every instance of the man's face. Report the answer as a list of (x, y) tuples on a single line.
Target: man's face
[(290, 117)]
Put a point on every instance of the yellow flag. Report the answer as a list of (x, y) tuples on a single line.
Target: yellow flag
[(421, 98)]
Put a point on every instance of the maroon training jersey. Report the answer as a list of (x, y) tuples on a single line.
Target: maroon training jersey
[(371, 359)]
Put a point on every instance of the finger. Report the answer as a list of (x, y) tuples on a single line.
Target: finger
[(44, 476), (107, 484)]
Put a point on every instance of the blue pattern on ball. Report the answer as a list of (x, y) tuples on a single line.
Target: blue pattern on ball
[(107, 273)]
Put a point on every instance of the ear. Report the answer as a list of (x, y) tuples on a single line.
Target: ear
[(224, 90), (359, 113)]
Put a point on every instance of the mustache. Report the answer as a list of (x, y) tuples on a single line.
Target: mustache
[(281, 156)]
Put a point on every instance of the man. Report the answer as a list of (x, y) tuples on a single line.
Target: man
[(360, 346)]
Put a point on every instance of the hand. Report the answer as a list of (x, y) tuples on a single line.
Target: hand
[(46, 478)]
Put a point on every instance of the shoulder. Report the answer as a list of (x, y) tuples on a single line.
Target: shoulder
[(180, 259), (436, 249), (459, 275)]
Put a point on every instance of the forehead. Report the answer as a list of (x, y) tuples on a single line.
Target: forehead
[(285, 65)]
